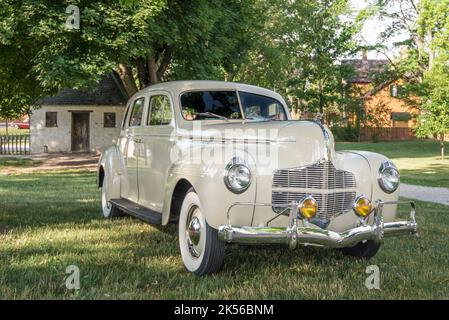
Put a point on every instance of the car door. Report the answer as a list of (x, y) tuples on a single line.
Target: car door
[(157, 142), (130, 188)]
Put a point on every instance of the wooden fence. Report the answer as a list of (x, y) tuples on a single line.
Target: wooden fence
[(15, 144), (386, 134)]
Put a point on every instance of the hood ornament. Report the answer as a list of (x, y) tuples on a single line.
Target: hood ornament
[(327, 141)]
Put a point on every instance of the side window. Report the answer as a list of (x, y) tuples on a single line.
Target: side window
[(135, 120), (160, 111)]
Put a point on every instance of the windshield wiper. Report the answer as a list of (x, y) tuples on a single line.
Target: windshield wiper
[(211, 115)]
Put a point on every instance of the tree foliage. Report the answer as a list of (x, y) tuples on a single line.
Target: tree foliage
[(290, 46), (434, 118), (144, 41), (425, 59), (298, 52)]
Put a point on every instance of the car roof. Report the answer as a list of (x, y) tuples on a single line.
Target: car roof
[(177, 87)]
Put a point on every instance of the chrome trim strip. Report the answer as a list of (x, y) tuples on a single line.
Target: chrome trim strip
[(235, 140), (327, 140)]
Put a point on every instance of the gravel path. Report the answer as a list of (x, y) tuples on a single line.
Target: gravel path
[(431, 194)]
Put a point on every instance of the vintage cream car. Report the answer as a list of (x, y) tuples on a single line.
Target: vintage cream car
[(225, 161)]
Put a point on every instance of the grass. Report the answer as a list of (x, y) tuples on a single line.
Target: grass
[(51, 220), (418, 161), (18, 162), (12, 131)]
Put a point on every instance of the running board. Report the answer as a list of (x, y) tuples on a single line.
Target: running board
[(138, 211)]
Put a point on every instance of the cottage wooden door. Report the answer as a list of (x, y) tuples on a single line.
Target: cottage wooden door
[(80, 131)]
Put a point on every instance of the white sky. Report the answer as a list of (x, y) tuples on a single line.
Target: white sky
[(372, 29)]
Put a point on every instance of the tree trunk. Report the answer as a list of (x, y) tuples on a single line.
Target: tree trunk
[(321, 102), (165, 62), (152, 70), (6, 123), (432, 52), (442, 146), (126, 74), (142, 72)]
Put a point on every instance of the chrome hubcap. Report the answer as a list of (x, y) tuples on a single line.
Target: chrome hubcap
[(193, 232)]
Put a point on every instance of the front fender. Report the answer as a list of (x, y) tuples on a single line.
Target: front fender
[(207, 178), (375, 160), (111, 165)]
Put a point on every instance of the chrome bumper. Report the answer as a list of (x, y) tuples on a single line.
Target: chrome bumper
[(308, 235)]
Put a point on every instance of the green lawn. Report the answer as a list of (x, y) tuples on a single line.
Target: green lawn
[(418, 161), (18, 162), (12, 131), (51, 220)]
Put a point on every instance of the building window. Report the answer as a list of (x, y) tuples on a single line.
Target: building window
[(51, 119), (397, 91), (109, 120), (400, 119), (160, 113)]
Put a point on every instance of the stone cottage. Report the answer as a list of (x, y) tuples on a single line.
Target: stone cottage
[(79, 121)]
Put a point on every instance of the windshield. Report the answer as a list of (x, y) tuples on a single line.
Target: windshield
[(257, 107), (224, 105)]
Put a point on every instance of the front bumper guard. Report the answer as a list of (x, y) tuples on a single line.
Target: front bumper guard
[(308, 235)]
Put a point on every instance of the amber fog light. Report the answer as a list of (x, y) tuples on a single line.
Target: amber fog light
[(308, 208), (362, 206)]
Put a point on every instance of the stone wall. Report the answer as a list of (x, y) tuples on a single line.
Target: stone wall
[(58, 139)]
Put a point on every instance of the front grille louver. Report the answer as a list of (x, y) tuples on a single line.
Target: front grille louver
[(328, 185), (317, 176)]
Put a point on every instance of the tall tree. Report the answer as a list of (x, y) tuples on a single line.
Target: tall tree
[(299, 49), (144, 41), (425, 25), (434, 118)]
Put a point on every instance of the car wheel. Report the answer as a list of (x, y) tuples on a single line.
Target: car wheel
[(201, 250), (109, 211), (366, 250)]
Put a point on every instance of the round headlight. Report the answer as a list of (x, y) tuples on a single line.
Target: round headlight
[(237, 176), (388, 177)]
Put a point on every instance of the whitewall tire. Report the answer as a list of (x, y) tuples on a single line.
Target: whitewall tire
[(201, 250), (108, 210)]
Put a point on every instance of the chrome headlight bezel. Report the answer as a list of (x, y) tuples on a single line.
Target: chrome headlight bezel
[(234, 164), (388, 166)]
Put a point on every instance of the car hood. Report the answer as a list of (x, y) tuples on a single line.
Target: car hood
[(292, 143)]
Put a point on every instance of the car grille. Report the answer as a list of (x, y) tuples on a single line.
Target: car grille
[(317, 176), (323, 182)]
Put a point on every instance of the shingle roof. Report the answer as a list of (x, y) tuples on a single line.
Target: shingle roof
[(109, 91), (365, 68)]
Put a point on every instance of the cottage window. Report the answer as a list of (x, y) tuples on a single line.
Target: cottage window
[(397, 91), (109, 120), (51, 119), (160, 113)]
